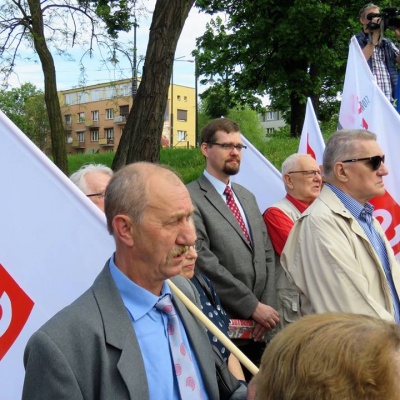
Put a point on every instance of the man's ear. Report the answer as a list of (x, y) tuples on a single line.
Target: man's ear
[(340, 172), (288, 181), (123, 229), (204, 149)]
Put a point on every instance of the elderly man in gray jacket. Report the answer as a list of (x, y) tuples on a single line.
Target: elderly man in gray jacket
[(114, 341)]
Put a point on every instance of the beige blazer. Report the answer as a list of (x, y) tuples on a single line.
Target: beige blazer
[(331, 261)]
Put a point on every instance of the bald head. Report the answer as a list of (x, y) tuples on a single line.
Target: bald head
[(131, 187)]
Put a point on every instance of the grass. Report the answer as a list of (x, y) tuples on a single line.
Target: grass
[(189, 163)]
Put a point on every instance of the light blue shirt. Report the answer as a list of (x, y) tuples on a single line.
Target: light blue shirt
[(150, 326), (220, 188)]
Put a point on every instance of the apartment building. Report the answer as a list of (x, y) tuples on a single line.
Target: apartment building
[(271, 121), (95, 116)]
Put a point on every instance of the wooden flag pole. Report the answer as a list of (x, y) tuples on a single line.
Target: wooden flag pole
[(212, 328)]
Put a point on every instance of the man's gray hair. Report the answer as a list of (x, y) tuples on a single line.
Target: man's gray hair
[(290, 163), (343, 145), (78, 177)]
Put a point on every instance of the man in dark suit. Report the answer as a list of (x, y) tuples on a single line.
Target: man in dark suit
[(237, 253), (113, 341)]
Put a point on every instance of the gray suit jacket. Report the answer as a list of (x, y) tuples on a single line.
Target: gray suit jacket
[(90, 351), (242, 275)]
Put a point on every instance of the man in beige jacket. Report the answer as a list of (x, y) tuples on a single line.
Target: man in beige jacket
[(337, 254)]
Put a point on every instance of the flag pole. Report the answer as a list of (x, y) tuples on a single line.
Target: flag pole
[(244, 360)]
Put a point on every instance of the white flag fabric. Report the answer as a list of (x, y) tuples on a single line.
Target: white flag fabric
[(259, 176), (53, 243), (365, 106), (311, 140)]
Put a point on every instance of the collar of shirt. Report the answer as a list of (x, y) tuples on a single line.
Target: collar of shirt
[(137, 300), (355, 208), (218, 185), (297, 203)]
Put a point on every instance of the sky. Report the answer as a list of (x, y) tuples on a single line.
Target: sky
[(97, 71)]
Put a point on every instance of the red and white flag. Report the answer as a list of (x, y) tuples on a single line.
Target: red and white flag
[(311, 140), (365, 106), (53, 243), (259, 176)]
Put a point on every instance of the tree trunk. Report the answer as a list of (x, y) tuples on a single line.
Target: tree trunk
[(298, 112), (141, 138), (58, 145)]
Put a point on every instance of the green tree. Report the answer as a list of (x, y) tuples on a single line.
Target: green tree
[(37, 120), (58, 24), (25, 107), (288, 50)]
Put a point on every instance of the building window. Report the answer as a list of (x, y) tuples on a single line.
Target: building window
[(125, 90), (68, 119), (94, 135), (178, 97), (270, 130), (81, 137), (182, 115), (70, 98), (182, 135), (83, 97), (95, 94), (111, 92), (109, 151), (124, 110), (81, 117), (95, 115), (270, 116), (109, 113), (185, 98), (109, 133)]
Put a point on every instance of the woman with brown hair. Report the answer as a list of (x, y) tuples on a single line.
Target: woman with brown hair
[(332, 357)]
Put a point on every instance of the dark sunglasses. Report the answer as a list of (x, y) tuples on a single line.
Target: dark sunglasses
[(374, 161)]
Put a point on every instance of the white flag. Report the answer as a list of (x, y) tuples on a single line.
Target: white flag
[(53, 243), (311, 140), (259, 176), (365, 106)]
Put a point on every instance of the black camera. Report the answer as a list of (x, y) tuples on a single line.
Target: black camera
[(388, 19)]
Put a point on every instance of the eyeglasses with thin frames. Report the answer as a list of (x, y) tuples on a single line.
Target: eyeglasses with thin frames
[(229, 146), (96, 195), (375, 161), (309, 173), (198, 245)]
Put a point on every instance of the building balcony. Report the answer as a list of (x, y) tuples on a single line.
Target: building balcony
[(67, 127), (106, 142), (92, 124), (78, 145), (120, 120)]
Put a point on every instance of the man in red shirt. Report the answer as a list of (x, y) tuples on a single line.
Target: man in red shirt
[(303, 182)]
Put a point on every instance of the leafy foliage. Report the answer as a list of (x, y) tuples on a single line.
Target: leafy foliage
[(25, 107), (286, 49)]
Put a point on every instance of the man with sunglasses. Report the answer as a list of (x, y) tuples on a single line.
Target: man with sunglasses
[(337, 253), (237, 254), (302, 178)]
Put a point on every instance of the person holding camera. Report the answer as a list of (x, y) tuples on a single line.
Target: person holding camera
[(381, 54)]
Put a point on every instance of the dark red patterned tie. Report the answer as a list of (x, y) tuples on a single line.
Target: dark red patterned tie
[(230, 201)]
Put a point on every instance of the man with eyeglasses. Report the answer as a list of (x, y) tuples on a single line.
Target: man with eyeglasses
[(302, 178), (93, 179), (337, 253), (237, 254)]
